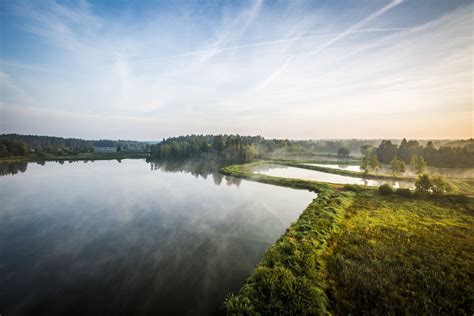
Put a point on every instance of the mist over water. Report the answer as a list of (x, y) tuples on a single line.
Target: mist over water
[(355, 168), (131, 237), (306, 174)]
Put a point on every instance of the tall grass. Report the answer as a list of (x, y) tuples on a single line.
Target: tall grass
[(403, 256), (288, 279)]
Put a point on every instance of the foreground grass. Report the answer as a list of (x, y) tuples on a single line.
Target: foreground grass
[(362, 253), (394, 255)]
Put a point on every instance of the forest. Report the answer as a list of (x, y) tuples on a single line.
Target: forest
[(454, 154), (461, 156), (12, 145), (222, 147), (246, 148)]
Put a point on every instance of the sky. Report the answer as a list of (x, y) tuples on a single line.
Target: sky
[(295, 69)]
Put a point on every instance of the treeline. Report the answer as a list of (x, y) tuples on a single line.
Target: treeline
[(120, 145), (334, 146), (13, 148), (245, 148), (444, 156), (20, 145), (222, 147), (353, 145)]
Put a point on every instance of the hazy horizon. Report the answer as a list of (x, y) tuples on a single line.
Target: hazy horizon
[(296, 70), (151, 140)]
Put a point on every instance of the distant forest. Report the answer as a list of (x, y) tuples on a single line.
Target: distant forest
[(21, 145), (245, 148), (457, 154), (440, 153), (223, 147)]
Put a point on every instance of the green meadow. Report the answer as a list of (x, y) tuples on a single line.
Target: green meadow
[(355, 251)]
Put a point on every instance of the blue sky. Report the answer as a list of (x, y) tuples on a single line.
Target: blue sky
[(287, 69)]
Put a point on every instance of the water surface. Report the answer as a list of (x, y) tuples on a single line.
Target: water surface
[(340, 167), (313, 175), (132, 238), (385, 169)]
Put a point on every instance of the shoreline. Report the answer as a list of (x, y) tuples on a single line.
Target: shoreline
[(78, 157)]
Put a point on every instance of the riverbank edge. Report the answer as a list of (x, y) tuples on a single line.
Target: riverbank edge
[(244, 171), (79, 157), (290, 275), (294, 263), (349, 173)]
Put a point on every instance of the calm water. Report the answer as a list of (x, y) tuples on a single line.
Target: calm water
[(132, 237), (300, 173), (341, 167), (385, 169)]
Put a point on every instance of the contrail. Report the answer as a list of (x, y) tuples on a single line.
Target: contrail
[(278, 41), (351, 30), (354, 27)]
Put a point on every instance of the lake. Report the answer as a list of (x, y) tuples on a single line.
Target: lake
[(132, 237), (313, 175)]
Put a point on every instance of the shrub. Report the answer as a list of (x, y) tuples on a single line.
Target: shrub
[(423, 184), (352, 187), (403, 192), (439, 186), (343, 151), (385, 189), (435, 185)]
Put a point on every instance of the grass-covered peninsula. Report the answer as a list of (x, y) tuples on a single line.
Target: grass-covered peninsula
[(354, 251)]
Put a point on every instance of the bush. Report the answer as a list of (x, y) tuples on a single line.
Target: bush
[(352, 187), (385, 189), (403, 192), (439, 186), (343, 151), (423, 184), (435, 185)]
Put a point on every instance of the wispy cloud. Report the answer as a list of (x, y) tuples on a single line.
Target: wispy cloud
[(351, 30), (68, 27), (291, 69)]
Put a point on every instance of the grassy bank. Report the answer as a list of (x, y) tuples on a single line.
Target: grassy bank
[(80, 156), (349, 173), (289, 277), (319, 159), (362, 253), (244, 171), (462, 186)]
